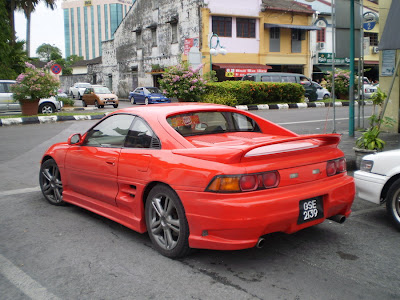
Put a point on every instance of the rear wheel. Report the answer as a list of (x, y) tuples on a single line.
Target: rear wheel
[(133, 100), (72, 95), (393, 203), (46, 108), (96, 104), (84, 103), (146, 101), (50, 182), (326, 96), (166, 222)]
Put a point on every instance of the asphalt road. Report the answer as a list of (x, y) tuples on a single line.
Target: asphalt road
[(49, 252)]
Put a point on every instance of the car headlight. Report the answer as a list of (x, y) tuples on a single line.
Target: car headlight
[(366, 165)]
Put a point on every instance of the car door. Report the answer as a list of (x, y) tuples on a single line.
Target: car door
[(92, 168), (7, 102), (139, 95)]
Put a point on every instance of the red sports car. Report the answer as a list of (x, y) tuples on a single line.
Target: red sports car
[(199, 175)]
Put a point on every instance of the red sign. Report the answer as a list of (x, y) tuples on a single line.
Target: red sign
[(242, 72), (189, 43), (56, 69)]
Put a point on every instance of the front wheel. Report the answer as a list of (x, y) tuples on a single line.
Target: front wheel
[(84, 103), (166, 222), (393, 203), (50, 182), (115, 105), (96, 104), (133, 100), (146, 101), (47, 108)]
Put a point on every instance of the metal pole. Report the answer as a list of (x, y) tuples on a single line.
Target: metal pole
[(352, 55), (333, 17)]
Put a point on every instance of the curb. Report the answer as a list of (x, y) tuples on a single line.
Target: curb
[(47, 119), (298, 105)]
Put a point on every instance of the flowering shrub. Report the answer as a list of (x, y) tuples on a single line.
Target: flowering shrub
[(342, 83), (183, 82), (35, 83)]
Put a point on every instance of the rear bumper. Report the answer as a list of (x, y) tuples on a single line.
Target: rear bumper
[(237, 221)]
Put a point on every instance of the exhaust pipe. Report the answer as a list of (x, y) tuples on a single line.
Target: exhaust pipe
[(260, 243), (338, 218)]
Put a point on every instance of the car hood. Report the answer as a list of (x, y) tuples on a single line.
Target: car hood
[(157, 95), (107, 95), (386, 162)]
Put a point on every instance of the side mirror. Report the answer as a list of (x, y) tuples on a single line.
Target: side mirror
[(75, 139)]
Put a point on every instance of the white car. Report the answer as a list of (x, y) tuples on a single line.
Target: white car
[(368, 88), (378, 181), (7, 103), (78, 89), (322, 92)]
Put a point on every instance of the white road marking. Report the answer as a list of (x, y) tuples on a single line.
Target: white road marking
[(23, 281), (19, 191), (312, 121)]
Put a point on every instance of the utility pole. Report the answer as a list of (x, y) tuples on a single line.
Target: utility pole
[(352, 55)]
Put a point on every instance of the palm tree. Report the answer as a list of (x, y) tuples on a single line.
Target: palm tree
[(28, 6)]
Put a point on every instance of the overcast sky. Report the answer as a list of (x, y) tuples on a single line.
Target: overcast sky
[(47, 26)]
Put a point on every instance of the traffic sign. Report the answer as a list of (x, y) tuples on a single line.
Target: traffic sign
[(56, 69)]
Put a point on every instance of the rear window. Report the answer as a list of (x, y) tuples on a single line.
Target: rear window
[(211, 122)]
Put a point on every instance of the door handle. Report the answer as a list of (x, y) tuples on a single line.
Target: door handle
[(110, 161)]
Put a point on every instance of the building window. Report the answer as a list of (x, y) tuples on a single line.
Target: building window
[(99, 28), (67, 33), (154, 37), (321, 35), (174, 29), (297, 36), (86, 28), (93, 32), (79, 30), (106, 20), (222, 26), (138, 39), (245, 28), (274, 39), (373, 38), (73, 51)]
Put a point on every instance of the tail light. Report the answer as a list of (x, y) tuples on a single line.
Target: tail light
[(336, 166), (244, 183)]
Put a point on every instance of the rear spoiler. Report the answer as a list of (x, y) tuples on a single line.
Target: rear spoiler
[(232, 154)]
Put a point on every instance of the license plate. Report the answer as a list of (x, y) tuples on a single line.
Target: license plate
[(310, 209)]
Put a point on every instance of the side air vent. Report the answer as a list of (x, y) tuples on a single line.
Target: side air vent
[(155, 143)]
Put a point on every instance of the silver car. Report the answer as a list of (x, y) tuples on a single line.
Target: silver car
[(7, 103)]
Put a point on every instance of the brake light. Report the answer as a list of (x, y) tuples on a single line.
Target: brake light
[(244, 183), (248, 183), (336, 166)]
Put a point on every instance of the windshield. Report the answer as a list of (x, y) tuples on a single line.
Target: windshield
[(84, 85), (153, 90), (101, 90), (210, 122)]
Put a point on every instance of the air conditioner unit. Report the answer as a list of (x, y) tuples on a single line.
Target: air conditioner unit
[(321, 45), (375, 50)]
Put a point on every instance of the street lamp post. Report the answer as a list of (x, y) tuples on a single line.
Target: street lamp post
[(216, 49)]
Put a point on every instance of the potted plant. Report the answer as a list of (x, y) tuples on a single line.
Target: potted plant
[(33, 85), (370, 142)]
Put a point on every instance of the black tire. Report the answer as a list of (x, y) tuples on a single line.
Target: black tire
[(79, 96), (50, 182), (46, 108), (393, 203), (96, 104), (115, 105), (146, 101), (133, 100), (72, 95), (166, 222), (326, 96), (84, 103)]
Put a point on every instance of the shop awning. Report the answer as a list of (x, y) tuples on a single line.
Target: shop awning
[(322, 68), (303, 27), (239, 70)]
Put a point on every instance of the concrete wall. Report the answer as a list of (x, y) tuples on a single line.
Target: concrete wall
[(127, 63)]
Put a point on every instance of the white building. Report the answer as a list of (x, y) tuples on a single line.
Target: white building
[(87, 23)]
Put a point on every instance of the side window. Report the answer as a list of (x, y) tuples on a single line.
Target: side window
[(275, 78), (3, 88), (305, 80), (110, 133), (244, 123), (141, 136), (266, 78)]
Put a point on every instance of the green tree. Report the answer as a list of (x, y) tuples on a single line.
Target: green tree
[(12, 55), (46, 52)]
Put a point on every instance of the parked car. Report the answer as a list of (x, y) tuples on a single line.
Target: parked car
[(196, 175), (310, 89), (147, 95), (7, 103), (368, 88), (378, 181), (99, 96), (322, 92), (78, 89)]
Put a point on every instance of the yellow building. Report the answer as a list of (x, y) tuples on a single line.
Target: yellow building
[(273, 36)]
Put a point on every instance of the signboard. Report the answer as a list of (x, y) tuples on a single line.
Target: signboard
[(388, 62), (56, 69), (189, 43), (326, 58), (242, 72), (88, 2), (370, 20)]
